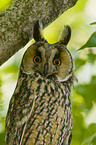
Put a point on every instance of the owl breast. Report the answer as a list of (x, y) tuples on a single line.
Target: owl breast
[(50, 121)]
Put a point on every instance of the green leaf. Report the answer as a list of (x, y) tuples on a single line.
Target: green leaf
[(88, 92), (91, 42), (94, 23), (93, 142), (90, 135)]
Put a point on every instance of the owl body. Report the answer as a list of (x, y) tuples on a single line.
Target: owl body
[(40, 109)]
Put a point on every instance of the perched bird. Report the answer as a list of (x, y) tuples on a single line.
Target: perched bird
[(40, 111)]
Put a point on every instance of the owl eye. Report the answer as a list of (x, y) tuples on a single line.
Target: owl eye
[(57, 62), (37, 59)]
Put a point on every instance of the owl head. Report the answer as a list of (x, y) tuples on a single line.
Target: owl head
[(49, 60)]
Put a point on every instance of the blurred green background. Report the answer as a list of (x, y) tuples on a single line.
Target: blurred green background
[(83, 94)]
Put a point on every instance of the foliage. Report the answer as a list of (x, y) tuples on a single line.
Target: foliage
[(83, 95), (94, 23), (91, 42)]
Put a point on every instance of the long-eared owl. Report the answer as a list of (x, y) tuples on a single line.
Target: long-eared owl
[(40, 109)]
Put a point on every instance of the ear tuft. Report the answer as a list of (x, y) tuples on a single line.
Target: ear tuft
[(65, 35), (37, 31)]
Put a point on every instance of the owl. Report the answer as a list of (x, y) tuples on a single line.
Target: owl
[(40, 111)]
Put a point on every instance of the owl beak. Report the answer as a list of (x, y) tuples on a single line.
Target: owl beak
[(46, 69)]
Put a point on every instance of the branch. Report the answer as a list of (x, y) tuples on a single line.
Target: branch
[(16, 22)]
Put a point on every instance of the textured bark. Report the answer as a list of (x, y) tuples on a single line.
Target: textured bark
[(16, 22)]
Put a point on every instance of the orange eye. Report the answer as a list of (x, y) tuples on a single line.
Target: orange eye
[(37, 59), (57, 62)]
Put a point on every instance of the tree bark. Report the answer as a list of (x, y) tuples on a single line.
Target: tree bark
[(16, 22)]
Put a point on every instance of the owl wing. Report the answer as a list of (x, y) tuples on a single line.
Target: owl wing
[(20, 109)]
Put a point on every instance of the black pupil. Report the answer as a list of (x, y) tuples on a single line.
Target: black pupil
[(56, 62), (37, 59)]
